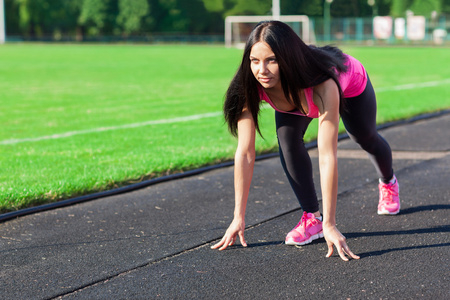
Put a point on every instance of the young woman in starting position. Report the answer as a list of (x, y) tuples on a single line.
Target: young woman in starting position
[(303, 82)]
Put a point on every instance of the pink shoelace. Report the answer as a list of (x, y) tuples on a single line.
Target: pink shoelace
[(387, 192), (303, 221)]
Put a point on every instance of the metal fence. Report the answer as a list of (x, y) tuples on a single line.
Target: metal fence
[(361, 30), (337, 30)]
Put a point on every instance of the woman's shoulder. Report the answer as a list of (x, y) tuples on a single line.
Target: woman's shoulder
[(325, 92), (326, 86)]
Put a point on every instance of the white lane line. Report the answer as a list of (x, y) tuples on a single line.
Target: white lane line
[(413, 86), (101, 129), (397, 155), (194, 117)]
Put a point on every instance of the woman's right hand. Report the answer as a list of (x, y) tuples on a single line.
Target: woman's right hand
[(334, 237), (244, 160), (235, 229)]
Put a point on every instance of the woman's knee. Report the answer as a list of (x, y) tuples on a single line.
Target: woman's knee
[(290, 141), (368, 141)]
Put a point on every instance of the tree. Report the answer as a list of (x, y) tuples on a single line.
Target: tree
[(426, 7), (239, 7), (446, 6), (63, 16), (188, 16), (399, 7), (251, 7), (418, 7), (32, 16), (350, 8), (199, 19), (98, 16), (130, 15), (214, 5), (12, 17), (311, 8), (57, 18)]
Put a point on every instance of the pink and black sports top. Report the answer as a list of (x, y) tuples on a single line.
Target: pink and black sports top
[(353, 82)]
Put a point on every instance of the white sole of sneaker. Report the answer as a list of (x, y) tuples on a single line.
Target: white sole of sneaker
[(312, 238), (386, 212)]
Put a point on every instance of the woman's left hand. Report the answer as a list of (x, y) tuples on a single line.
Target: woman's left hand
[(334, 237)]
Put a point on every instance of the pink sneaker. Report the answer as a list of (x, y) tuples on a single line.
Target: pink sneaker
[(307, 230), (389, 203)]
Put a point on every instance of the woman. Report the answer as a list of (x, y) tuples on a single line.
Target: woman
[(303, 82)]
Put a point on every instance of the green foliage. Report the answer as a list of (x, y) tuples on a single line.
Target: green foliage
[(32, 15), (446, 6), (239, 7), (426, 7), (35, 18), (339, 8), (131, 13), (310, 8), (93, 15), (346, 8), (39, 18), (418, 7), (214, 5), (181, 16), (250, 7)]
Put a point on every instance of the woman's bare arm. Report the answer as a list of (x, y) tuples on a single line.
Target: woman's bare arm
[(243, 172), (327, 146)]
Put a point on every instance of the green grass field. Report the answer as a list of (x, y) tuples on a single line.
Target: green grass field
[(84, 118)]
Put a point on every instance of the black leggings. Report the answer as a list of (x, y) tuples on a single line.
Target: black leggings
[(358, 116)]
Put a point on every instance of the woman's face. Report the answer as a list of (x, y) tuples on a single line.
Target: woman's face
[(264, 65)]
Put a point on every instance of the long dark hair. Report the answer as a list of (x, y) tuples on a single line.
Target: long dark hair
[(300, 66)]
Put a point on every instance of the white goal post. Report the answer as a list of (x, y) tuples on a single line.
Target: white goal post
[(2, 22), (231, 20)]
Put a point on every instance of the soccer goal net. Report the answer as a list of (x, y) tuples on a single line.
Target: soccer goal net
[(238, 28)]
